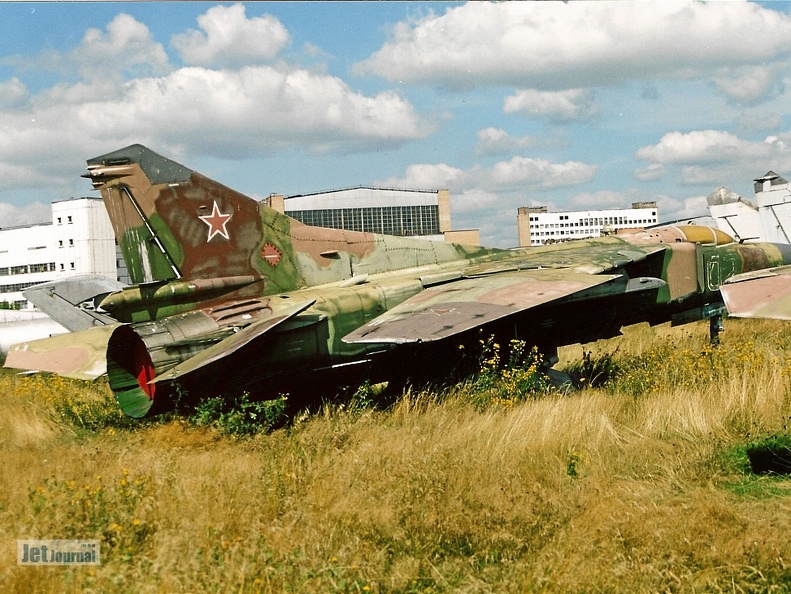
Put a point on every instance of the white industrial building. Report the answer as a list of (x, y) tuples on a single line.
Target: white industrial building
[(79, 240), (537, 226)]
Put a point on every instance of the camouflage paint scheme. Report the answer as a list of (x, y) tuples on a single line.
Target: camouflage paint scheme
[(231, 296)]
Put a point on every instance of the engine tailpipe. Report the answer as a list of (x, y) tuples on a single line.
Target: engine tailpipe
[(129, 370)]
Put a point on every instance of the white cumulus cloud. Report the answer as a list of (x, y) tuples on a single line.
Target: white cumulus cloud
[(516, 173), (242, 113), (539, 173), (12, 93), (474, 200), (127, 46), (544, 45), (261, 109), (711, 156), (676, 209), (759, 121), (651, 173), (228, 38), (426, 176), (496, 141), (560, 106), (750, 85), (602, 199), (697, 146)]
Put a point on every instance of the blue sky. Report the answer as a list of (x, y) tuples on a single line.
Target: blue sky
[(570, 105)]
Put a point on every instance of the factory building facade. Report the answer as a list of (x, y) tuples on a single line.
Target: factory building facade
[(79, 240), (537, 226)]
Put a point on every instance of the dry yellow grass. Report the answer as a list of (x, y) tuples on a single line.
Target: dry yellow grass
[(633, 487)]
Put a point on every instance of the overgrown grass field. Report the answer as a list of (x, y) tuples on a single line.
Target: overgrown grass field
[(637, 482)]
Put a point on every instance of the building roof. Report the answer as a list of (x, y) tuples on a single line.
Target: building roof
[(28, 226), (771, 176), (360, 197), (75, 198), (352, 188)]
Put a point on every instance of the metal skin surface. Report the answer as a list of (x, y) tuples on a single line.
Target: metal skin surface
[(762, 294), (233, 297)]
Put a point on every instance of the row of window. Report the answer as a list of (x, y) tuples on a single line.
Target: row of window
[(596, 221), (27, 269), (614, 220), (563, 235), (570, 232), (391, 220), (51, 267), (590, 222), (16, 287)]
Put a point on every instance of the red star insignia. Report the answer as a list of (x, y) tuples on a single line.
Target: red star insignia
[(271, 254), (217, 223)]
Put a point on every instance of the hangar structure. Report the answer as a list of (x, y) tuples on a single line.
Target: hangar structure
[(405, 213)]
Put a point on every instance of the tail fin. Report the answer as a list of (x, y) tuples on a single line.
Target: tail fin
[(171, 222)]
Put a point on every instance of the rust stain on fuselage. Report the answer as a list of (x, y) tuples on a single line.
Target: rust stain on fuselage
[(754, 258)]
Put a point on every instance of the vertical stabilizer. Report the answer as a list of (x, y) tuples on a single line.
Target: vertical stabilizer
[(171, 222)]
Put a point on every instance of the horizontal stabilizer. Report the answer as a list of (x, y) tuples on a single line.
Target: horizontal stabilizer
[(80, 355), (759, 294), (61, 300), (233, 343), (446, 310)]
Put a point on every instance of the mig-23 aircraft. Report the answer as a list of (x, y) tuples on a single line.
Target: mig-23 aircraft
[(231, 296)]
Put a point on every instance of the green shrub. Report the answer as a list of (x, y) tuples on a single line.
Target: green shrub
[(240, 416)]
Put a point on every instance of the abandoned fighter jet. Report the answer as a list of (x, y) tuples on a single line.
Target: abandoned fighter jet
[(231, 296)]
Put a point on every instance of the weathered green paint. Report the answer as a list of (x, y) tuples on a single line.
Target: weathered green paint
[(140, 303), (171, 245), (276, 231)]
